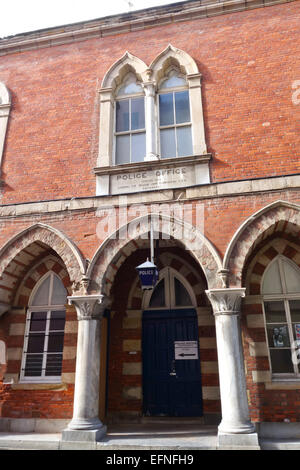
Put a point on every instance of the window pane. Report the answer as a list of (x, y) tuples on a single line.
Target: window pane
[(281, 360), (166, 112), (57, 320), (184, 141), (35, 343), (295, 310), (122, 149), (275, 312), (182, 297), (130, 88), (272, 282), (137, 114), (42, 295), (55, 342), (122, 116), (59, 293), (173, 81), (38, 321), (53, 365), (33, 366), (182, 107), (167, 143), (138, 147), (158, 296), (278, 336), (292, 278)]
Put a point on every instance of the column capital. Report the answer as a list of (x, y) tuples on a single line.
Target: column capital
[(89, 307), (149, 88), (226, 301)]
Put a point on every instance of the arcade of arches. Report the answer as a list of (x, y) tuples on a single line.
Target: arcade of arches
[(173, 351)]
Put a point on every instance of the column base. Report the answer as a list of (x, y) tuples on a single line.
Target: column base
[(84, 430), (238, 441), (81, 435)]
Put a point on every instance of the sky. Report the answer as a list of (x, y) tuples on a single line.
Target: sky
[(20, 16)]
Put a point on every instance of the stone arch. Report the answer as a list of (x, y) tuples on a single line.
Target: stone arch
[(172, 56), (127, 63), (180, 265), (115, 249), (36, 273), (40, 236), (280, 217)]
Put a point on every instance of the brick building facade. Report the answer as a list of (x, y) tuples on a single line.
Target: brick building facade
[(89, 117)]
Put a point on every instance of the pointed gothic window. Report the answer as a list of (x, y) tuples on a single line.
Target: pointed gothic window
[(44, 334), (130, 123), (281, 294), (175, 128)]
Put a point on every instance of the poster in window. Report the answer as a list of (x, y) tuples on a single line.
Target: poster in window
[(279, 336), (297, 331)]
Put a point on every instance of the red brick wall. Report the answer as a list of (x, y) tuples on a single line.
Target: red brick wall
[(248, 64), (228, 213)]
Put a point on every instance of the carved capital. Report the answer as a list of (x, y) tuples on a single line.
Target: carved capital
[(226, 301), (89, 307)]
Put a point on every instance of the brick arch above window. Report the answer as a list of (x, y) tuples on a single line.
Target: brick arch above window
[(280, 217), (23, 248), (256, 269)]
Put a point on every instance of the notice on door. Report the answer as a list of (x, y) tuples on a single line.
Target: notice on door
[(186, 350)]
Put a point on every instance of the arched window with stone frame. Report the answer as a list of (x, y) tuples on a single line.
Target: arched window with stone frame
[(280, 290), (129, 127), (149, 114), (44, 331), (175, 126)]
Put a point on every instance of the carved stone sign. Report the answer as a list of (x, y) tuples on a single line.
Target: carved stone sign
[(155, 179), (168, 173)]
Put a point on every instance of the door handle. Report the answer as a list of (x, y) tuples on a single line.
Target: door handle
[(173, 371)]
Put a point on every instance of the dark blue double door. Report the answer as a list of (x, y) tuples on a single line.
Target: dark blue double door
[(171, 387)]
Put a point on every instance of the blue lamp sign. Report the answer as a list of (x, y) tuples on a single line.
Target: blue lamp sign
[(148, 274)]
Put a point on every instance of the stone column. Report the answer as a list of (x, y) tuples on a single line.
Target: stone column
[(236, 427), (85, 425), (150, 122)]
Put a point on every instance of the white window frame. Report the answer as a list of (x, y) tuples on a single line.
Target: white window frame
[(128, 97), (173, 90), (285, 298), (48, 309)]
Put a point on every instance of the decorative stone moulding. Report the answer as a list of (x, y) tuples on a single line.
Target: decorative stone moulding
[(5, 105), (89, 307), (226, 301), (152, 172)]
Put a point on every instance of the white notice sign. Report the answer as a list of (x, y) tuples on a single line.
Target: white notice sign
[(186, 350)]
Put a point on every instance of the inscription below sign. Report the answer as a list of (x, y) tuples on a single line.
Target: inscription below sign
[(186, 350), (154, 179)]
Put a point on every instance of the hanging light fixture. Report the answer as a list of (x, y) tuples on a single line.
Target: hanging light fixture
[(148, 271)]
